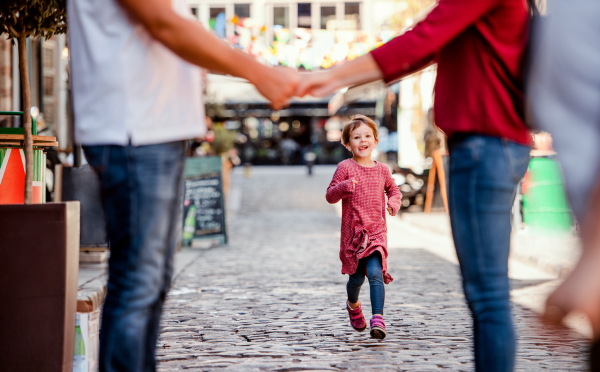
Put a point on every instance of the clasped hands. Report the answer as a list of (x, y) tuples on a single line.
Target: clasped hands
[(280, 84)]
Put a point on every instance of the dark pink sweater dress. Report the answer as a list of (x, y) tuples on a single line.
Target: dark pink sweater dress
[(364, 229)]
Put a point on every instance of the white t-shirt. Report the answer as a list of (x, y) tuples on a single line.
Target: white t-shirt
[(126, 85)]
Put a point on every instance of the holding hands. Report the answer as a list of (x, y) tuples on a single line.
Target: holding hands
[(320, 84), (277, 84), (317, 84), (280, 84)]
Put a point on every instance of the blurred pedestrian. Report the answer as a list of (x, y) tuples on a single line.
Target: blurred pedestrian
[(564, 96), (362, 184), (289, 149), (137, 97), (479, 46)]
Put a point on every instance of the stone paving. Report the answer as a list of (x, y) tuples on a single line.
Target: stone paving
[(274, 298)]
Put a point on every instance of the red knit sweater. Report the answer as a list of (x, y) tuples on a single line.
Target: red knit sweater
[(479, 46), (364, 229)]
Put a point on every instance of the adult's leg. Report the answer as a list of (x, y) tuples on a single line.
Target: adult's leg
[(375, 276), (174, 217), (484, 172), (140, 191)]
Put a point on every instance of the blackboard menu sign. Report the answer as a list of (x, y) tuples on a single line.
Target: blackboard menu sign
[(203, 203)]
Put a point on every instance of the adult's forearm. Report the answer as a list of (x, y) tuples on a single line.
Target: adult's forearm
[(193, 43), (361, 70)]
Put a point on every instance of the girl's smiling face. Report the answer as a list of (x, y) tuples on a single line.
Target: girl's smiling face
[(362, 142)]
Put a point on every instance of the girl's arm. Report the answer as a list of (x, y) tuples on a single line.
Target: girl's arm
[(340, 187), (394, 195)]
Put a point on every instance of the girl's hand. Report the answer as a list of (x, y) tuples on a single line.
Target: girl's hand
[(391, 211), (354, 183)]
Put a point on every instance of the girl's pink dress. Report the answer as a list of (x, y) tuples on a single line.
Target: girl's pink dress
[(364, 230)]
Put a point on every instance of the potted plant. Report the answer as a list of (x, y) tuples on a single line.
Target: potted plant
[(39, 243)]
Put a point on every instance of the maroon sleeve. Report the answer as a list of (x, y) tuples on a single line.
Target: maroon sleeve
[(340, 187), (419, 46)]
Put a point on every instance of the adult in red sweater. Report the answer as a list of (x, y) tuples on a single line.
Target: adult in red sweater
[(479, 47)]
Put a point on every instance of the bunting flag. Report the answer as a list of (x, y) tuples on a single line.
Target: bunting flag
[(12, 176)]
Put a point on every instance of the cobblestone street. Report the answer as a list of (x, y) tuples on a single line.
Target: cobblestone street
[(274, 298)]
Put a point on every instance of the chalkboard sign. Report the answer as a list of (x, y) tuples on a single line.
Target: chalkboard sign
[(203, 202)]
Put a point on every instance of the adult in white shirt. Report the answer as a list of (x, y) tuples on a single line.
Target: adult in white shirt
[(136, 96)]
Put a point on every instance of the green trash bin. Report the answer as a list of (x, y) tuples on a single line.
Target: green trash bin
[(545, 205)]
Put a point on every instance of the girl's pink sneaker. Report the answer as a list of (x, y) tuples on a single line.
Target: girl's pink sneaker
[(357, 320), (377, 327)]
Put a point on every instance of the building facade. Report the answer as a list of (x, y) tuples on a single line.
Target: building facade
[(310, 34), (47, 65), (316, 14)]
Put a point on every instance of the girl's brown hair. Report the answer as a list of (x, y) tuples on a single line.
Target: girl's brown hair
[(355, 122)]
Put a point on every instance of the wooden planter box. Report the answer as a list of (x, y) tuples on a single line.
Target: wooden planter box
[(39, 263)]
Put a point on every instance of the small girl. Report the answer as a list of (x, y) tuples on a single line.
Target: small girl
[(361, 184)]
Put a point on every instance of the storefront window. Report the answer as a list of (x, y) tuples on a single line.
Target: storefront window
[(242, 10), (352, 13), (217, 21), (327, 14), (304, 15), (281, 16), (214, 12)]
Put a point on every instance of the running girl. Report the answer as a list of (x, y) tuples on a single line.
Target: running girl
[(361, 184)]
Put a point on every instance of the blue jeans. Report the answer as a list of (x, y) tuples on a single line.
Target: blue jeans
[(141, 194), (372, 266), (484, 173)]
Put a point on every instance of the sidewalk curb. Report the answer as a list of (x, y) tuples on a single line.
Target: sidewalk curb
[(530, 250), (560, 270)]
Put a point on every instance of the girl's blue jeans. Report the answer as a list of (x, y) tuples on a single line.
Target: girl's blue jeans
[(371, 265), (484, 173)]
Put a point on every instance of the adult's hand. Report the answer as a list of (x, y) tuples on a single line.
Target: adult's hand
[(323, 83), (580, 292), (317, 84), (277, 84)]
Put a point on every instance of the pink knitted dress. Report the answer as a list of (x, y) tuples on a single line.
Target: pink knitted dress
[(364, 230)]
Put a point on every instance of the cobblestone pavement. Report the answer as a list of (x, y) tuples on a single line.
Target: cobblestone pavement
[(274, 298)]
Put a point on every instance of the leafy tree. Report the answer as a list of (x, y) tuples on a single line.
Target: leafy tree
[(20, 19)]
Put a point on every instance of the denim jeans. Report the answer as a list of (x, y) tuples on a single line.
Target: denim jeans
[(373, 268), (484, 173), (141, 194)]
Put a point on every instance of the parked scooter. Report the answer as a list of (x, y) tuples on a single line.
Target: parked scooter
[(412, 186)]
